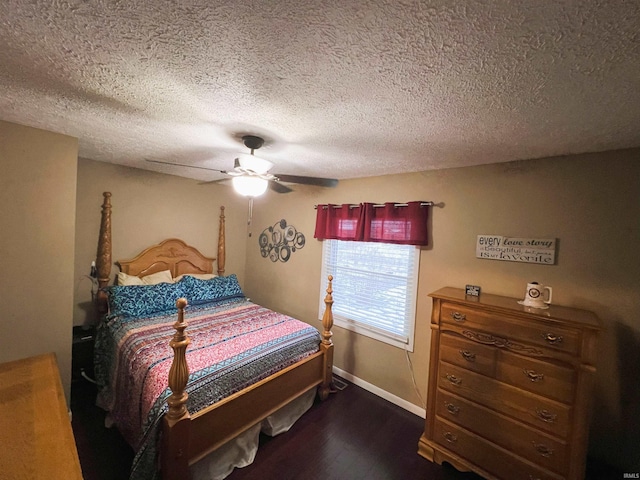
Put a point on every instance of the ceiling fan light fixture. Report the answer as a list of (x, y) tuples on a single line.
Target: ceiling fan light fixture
[(256, 164), (249, 185)]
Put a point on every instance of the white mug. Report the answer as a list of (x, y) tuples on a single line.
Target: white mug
[(534, 297)]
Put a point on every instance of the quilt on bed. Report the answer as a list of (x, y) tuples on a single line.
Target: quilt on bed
[(234, 343)]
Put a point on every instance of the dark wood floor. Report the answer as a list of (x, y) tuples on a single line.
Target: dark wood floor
[(352, 435)]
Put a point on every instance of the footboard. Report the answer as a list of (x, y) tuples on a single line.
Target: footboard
[(187, 438)]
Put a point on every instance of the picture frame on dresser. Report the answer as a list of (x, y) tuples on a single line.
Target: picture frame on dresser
[(510, 387)]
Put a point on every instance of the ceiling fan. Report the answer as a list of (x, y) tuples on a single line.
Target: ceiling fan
[(250, 175)]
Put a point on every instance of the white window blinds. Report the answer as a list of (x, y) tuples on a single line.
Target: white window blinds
[(375, 287)]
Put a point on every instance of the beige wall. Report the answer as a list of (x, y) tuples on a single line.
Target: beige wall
[(590, 203), (38, 199), (147, 208)]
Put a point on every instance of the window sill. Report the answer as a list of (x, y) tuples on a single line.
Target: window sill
[(375, 335)]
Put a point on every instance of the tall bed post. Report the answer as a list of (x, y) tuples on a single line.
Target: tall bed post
[(103, 258), (175, 436), (326, 344), (221, 246), (174, 458)]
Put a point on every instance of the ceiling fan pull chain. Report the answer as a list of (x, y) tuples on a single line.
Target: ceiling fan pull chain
[(250, 215)]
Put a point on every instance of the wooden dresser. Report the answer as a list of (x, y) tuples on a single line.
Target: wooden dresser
[(509, 387), (35, 430)]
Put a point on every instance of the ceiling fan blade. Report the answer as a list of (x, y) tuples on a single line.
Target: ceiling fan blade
[(184, 165), (278, 187), (320, 182), (220, 180)]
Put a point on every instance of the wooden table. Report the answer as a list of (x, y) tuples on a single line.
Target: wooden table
[(36, 439)]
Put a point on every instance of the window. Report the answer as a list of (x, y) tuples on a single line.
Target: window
[(375, 288)]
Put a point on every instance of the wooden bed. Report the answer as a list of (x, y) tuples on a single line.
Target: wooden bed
[(189, 436)]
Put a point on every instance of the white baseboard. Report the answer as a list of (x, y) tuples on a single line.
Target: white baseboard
[(400, 402)]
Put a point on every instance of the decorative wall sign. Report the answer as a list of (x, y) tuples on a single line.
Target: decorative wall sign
[(513, 249), (279, 241)]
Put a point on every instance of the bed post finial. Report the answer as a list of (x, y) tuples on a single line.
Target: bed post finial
[(179, 372), (327, 318), (221, 247), (103, 259)]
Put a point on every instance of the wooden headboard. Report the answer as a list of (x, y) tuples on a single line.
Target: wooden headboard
[(172, 254)]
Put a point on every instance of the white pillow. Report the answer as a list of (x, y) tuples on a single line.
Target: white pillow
[(199, 276), (153, 279), (159, 277), (126, 280)]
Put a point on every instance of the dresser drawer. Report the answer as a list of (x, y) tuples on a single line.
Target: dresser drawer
[(540, 412), (512, 329), (544, 378), (520, 439), (497, 461), (476, 357)]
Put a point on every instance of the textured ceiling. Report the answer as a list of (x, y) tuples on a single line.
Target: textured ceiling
[(338, 88)]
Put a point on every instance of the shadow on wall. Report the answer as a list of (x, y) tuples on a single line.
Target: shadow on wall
[(90, 313), (628, 341), (350, 356), (615, 428)]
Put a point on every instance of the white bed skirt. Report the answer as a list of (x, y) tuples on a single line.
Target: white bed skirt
[(241, 451)]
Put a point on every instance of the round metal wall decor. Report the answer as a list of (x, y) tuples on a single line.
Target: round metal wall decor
[(280, 241)]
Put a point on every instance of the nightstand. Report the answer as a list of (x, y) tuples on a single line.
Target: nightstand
[(82, 352)]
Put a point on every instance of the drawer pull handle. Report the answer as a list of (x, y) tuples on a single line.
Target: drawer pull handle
[(533, 376), (450, 437), (552, 338), (546, 415), (453, 379), (451, 408), (458, 317), (468, 356), (542, 449)]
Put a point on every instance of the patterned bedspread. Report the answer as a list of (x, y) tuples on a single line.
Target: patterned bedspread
[(233, 345)]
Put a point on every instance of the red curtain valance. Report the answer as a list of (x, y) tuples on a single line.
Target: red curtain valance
[(390, 223)]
